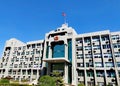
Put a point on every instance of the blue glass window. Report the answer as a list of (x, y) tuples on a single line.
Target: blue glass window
[(58, 50), (118, 64)]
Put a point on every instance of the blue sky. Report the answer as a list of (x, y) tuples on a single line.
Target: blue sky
[(29, 20)]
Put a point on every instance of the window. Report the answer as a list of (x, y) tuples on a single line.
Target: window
[(79, 64), (116, 45), (31, 59), (27, 52), (98, 64), (26, 59), (119, 73), (28, 46), (88, 55), (87, 64), (117, 54), (79, 48), (97, 55), (115, 37), (19, 48), (79, 56), (105, 38), (38, 44), (37, 52), (101, 84), (58, 50), (90, 73), (15, 65), (17, 59), (109, 64), (36, 58), (80, 73), (118, 64), (18, 53), (24, 47), (96, 47), (110, 74), (95, 39), (23, 53), (90, 83), (90, 64), (15, 48), (33, 45), (34, 72), (100, 73), (107, 55), (32, 52), (106, 46), (88, 47), (78, 41), (87, 40)]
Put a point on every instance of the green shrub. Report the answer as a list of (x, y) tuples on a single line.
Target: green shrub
[(4, 81), (81, 84), (46, 81)]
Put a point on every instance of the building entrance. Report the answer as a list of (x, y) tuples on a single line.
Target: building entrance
[(58, 67)]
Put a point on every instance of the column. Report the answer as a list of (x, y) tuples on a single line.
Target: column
[(49, 68), (66, 73)]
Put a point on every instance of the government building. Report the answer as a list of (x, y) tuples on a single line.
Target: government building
[(89, 58)]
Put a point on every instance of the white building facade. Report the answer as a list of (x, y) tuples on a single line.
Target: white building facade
[(90, 58)]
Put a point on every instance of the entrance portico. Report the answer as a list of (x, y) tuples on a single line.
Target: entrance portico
[(58, 65)]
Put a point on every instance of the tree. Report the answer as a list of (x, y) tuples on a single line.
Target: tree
[(54, 79), (47, 81), (58, 78)]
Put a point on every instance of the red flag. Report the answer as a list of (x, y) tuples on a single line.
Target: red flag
[(63, 14)]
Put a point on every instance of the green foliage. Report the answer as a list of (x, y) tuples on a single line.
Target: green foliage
[(81, 84), (54, 80), (24, 80), (59, 81), (4, 81), (56, 74), (16, 84), (46, 81)]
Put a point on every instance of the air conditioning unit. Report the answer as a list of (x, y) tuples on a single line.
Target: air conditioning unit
[(93, 43), (119, 50), (108, 50), (107, 42), (111, 69), (112, 80), (88, 43), (109, 59), (94, 51), (89, 51), (118, 41), (92, 79)]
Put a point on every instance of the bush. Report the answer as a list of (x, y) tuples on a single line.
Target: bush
[(4, 81), (81, 84), (46, 81)]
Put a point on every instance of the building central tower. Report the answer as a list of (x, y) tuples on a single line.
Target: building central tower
[(58, 52)]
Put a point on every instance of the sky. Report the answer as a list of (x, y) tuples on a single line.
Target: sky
[(29, 20)]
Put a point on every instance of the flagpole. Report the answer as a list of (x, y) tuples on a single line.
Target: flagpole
[(65, 19), (64, 15)]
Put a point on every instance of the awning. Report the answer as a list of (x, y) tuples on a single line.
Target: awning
[(55, 60)]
